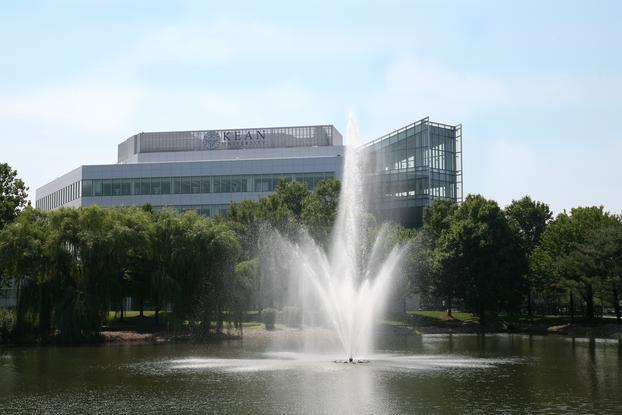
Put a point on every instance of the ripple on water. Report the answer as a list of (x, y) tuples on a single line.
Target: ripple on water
[(288, 361)]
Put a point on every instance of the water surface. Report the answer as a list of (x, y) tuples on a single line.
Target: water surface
[(409, 374)]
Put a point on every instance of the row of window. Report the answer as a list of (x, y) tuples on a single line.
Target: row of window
[(195, 184), (59, 197)]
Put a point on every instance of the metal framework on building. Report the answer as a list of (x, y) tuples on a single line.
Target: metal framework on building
[(413, 165)]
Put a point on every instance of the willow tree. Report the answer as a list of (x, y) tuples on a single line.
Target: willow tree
[(23, 255)]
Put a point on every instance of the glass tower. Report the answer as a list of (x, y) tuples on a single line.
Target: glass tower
[(411, 166)]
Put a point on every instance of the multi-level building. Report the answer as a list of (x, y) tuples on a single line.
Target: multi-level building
[(207, 170), (413, 165)]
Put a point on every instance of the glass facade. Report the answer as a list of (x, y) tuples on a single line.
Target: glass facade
[(195, 184), (405, 169), (411, 166)]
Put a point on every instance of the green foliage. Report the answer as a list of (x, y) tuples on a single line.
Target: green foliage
[(242, 284), (7, 324), (73, 265), (13, 196), (268, 316), (580, 252), (286, 210), (529, 219), (431, 279), (320, 209), (476, 258)]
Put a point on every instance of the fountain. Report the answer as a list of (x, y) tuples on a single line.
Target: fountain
[(350, 280)]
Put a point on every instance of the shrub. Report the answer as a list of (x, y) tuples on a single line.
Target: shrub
[(269, 317), (7, 324), (292, 316)]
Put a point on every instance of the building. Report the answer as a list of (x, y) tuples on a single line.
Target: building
[(200, 170), (207, 170), (413, 165)]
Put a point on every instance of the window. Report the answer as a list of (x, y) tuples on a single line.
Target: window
[(87, 188), (225, 184), (166, 185), (262, 183), (206, 184), (116, 187), (245, 184), (195, 185), (176, 185), (185, 184), (145, 186), (97, 188), (155, 186), (107, 187), (126, 187), (235, 184)]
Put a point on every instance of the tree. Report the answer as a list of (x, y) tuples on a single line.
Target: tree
[(434, 276), (239, 290), (529, 219), (563, 252), (602, 255), (13, 196), (483, 254), (23, 255), (320, 209)]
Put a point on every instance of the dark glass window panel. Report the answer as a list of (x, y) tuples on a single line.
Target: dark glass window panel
[(206, 184), (116, 187), (195, 185), (185, 184), (87, 188), (98, 188), (126, 187), (225, 184), (235, 184), (145, 186), (166, 186), (155, 186), (176, 185), (107, 187)]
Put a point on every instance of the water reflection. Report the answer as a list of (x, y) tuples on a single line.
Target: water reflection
[(439, 374)]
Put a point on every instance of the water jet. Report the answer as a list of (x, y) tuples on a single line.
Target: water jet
[(350, 281)]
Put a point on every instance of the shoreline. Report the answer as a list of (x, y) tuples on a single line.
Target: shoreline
[(611, 331), (607, 331)]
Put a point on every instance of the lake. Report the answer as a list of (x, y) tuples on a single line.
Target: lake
[(408, 374)]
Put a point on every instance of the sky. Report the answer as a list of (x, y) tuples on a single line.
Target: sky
[(537, 86)]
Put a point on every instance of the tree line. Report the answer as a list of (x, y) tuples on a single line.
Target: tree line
[(489, 260), (72, 266)]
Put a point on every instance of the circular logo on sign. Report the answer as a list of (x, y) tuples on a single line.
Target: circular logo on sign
[(211, 140)]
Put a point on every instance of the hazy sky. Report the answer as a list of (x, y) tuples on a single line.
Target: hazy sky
[(536, 85)]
